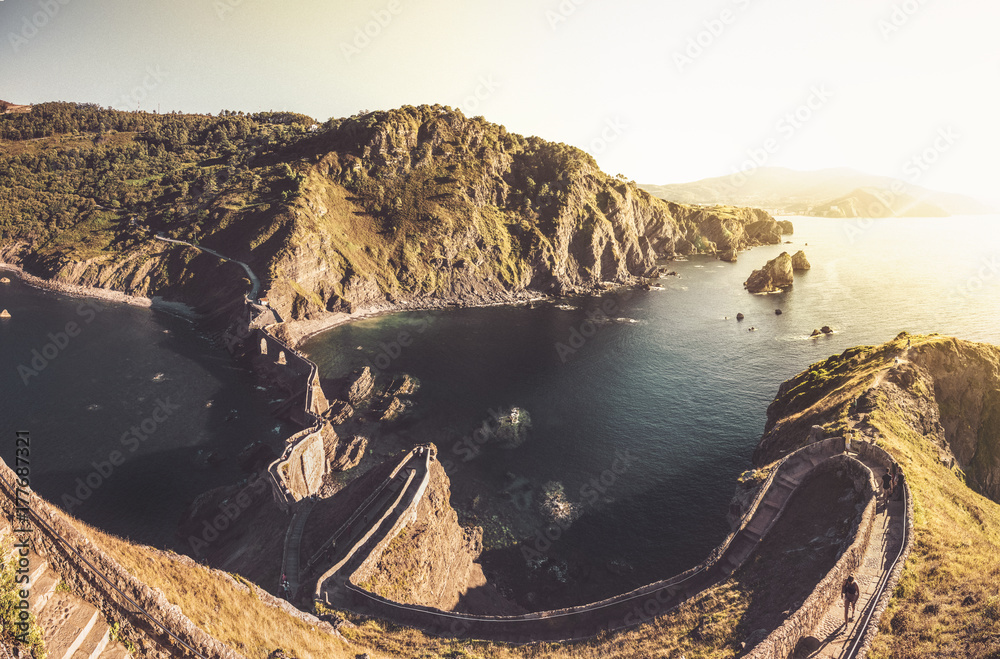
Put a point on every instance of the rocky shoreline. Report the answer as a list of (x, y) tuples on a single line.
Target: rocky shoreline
[(77, 291)]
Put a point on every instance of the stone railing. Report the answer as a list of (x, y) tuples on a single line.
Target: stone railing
[(317, 556), (887, 585), (628, 609), (781, 643), (144, 615)]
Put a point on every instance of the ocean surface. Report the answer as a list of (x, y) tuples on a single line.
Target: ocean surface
[(123, 405), (644, 406)]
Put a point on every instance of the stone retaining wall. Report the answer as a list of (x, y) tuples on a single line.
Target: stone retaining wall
[(876, 453), (585, 621), (781, 643), (95, 576)]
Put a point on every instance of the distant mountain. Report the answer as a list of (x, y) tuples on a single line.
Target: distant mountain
[(872, 202), (826, 192)]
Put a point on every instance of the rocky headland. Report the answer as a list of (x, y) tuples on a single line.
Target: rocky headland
[(409, 208)]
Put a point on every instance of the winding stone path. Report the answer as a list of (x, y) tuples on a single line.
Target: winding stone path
[(620, 612), (290, 558), (837, 638), (254, 281)]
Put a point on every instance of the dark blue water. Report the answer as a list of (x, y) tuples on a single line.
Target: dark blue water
[(668, 379), (668, 383), (125, 368)]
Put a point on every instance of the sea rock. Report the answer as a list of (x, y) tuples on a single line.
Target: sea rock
[(799, 261), (4, 314), (395, 409), (777, 312), (728, 255), (360, 389), (815, 332), (786, 227), (740, 316), (774, 276), (826, 329), (348, 457)]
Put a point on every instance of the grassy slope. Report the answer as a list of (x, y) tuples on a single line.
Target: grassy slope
[(947, 602)]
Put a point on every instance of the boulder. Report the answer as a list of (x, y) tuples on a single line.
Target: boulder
[(740, 316), (799, 261), (786, 227), (349, 456), (774, 276), (361, 387), (728, 255), (826, 329)]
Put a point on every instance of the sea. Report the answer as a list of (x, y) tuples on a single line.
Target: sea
[(644, 406)]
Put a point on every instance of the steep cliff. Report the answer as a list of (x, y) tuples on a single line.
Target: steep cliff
[(418, 205), (433, 561), (947, 389), (933, 403)]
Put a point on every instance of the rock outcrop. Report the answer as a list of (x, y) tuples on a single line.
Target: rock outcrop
[(361, 387), (776, 275), (800, 262), (433, 561)]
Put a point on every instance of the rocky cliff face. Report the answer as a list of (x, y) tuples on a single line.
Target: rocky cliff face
[(423, 205), (948, 390), (774, 276), (433, 561), (419, 205)]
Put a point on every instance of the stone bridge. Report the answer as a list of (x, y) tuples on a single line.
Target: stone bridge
[(880, 537)]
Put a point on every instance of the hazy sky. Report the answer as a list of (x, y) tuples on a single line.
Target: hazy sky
[(663, 92)]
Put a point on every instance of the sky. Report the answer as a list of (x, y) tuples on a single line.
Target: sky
[(660, 91)]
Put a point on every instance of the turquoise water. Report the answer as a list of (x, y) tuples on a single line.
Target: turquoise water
[(103, 369), (679, 391)]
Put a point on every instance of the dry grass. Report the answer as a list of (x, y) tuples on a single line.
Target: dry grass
[(946, 604)]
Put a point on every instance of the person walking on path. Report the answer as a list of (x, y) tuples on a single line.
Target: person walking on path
[(887, 485), (850, 592)]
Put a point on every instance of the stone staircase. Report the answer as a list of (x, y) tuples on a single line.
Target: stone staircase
[(72, 627)]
